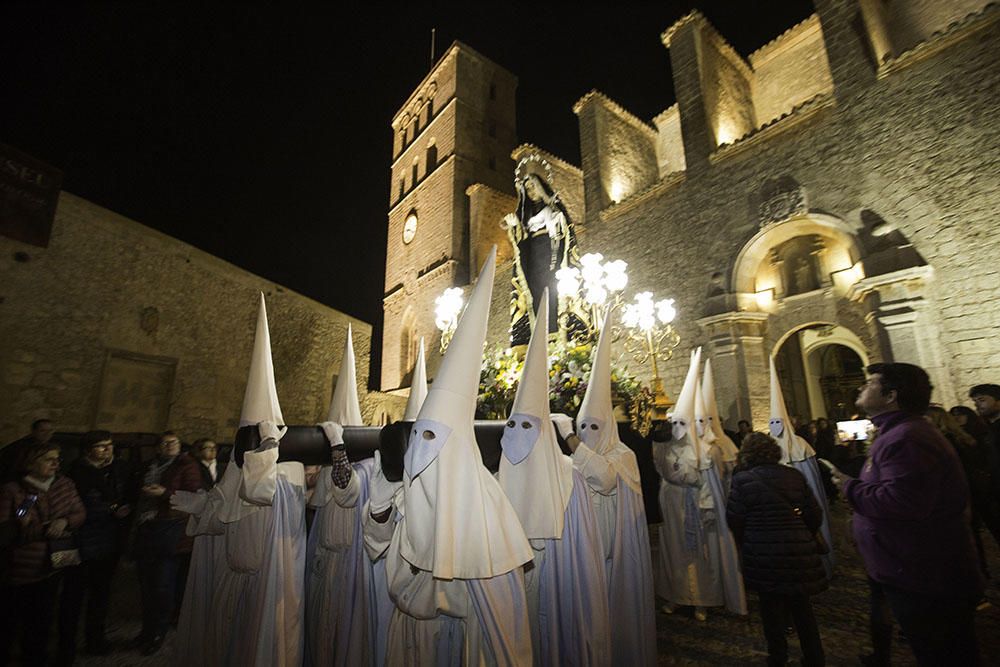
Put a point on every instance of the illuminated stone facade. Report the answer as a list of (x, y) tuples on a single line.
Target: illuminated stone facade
[(841, 182), (115, 325), (456, 130)]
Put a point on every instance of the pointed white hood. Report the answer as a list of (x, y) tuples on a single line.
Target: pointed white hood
[(727, 449), (534, 473), (684, 416), (793, 447), (418, 388), (345, 409), (595, 421), (260, 403), (458, 524), (708, 451)]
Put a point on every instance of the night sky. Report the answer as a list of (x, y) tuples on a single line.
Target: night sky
[(262, 135)]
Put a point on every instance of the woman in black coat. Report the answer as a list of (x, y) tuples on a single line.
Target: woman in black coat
[(774, 518)]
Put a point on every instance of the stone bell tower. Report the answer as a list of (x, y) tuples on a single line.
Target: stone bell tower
[(456, 129)]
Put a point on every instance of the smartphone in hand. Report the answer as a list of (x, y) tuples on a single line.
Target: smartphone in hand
[(26, 505)]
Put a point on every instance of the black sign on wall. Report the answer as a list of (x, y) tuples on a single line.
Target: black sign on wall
[(29, 192)]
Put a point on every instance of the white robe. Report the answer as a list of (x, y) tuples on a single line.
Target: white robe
[(621, 521), (448, 621), (566, 588), (346, 594), (208, 556), (810, 470), (689, 571), (260, 593)]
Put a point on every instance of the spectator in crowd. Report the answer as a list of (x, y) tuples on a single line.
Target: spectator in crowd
[(160, 540), (106, 488), (206, 452), (910, 524), (186, 473), (978, 462), (743, 429), (11, 456), (774, 518), (44, 509), (987, 400), (825, 440), (806, 431), (971, 423)]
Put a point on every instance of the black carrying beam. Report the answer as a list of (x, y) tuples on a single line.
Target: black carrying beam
[(308, 445)]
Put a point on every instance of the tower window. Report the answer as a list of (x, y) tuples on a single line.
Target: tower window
[(493, 128), (493, 163), (416, 168), (432, 155), (493, 91)]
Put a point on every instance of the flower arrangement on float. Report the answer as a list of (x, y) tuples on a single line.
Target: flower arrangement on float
[(569, 369)]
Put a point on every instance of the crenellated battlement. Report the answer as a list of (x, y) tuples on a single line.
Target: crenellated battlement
[(726, 103)]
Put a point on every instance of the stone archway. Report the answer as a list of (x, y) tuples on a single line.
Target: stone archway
[(820, 251), (820, 365)]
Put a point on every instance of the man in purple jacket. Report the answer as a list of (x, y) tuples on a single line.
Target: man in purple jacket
[(911, 524)]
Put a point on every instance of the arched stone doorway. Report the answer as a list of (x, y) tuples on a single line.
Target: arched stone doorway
[(820, 367)]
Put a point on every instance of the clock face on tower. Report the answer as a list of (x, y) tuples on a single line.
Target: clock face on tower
[(410, 227)]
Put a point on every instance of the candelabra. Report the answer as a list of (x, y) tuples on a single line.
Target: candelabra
[(590, 290), (650, 335)]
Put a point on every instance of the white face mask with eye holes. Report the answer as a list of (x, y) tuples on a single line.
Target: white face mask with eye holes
[(679, 428), (776, 426), (519, 436), (426, 440), (591, 429), (699, 426)]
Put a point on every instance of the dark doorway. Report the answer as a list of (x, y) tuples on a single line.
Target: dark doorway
[(842, 372)]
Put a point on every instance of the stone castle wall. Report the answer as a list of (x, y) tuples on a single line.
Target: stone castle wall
[(789, 71), (867, 133), (915, 146), (117, 325)]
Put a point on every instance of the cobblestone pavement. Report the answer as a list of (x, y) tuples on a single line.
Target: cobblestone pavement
[(724, 639)]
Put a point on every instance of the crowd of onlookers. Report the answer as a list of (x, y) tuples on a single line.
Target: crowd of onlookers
[(64, 528), (928, 483)]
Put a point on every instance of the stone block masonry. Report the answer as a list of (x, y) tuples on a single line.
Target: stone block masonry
[(116, 325)]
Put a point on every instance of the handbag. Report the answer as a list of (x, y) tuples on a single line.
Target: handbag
[(63, 552), (822, 547)]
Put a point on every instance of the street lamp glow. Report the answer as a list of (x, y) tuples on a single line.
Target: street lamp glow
[(447, 308), (590, 290), (568, 281), (665, 311), (651, 336), (615, 277)]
